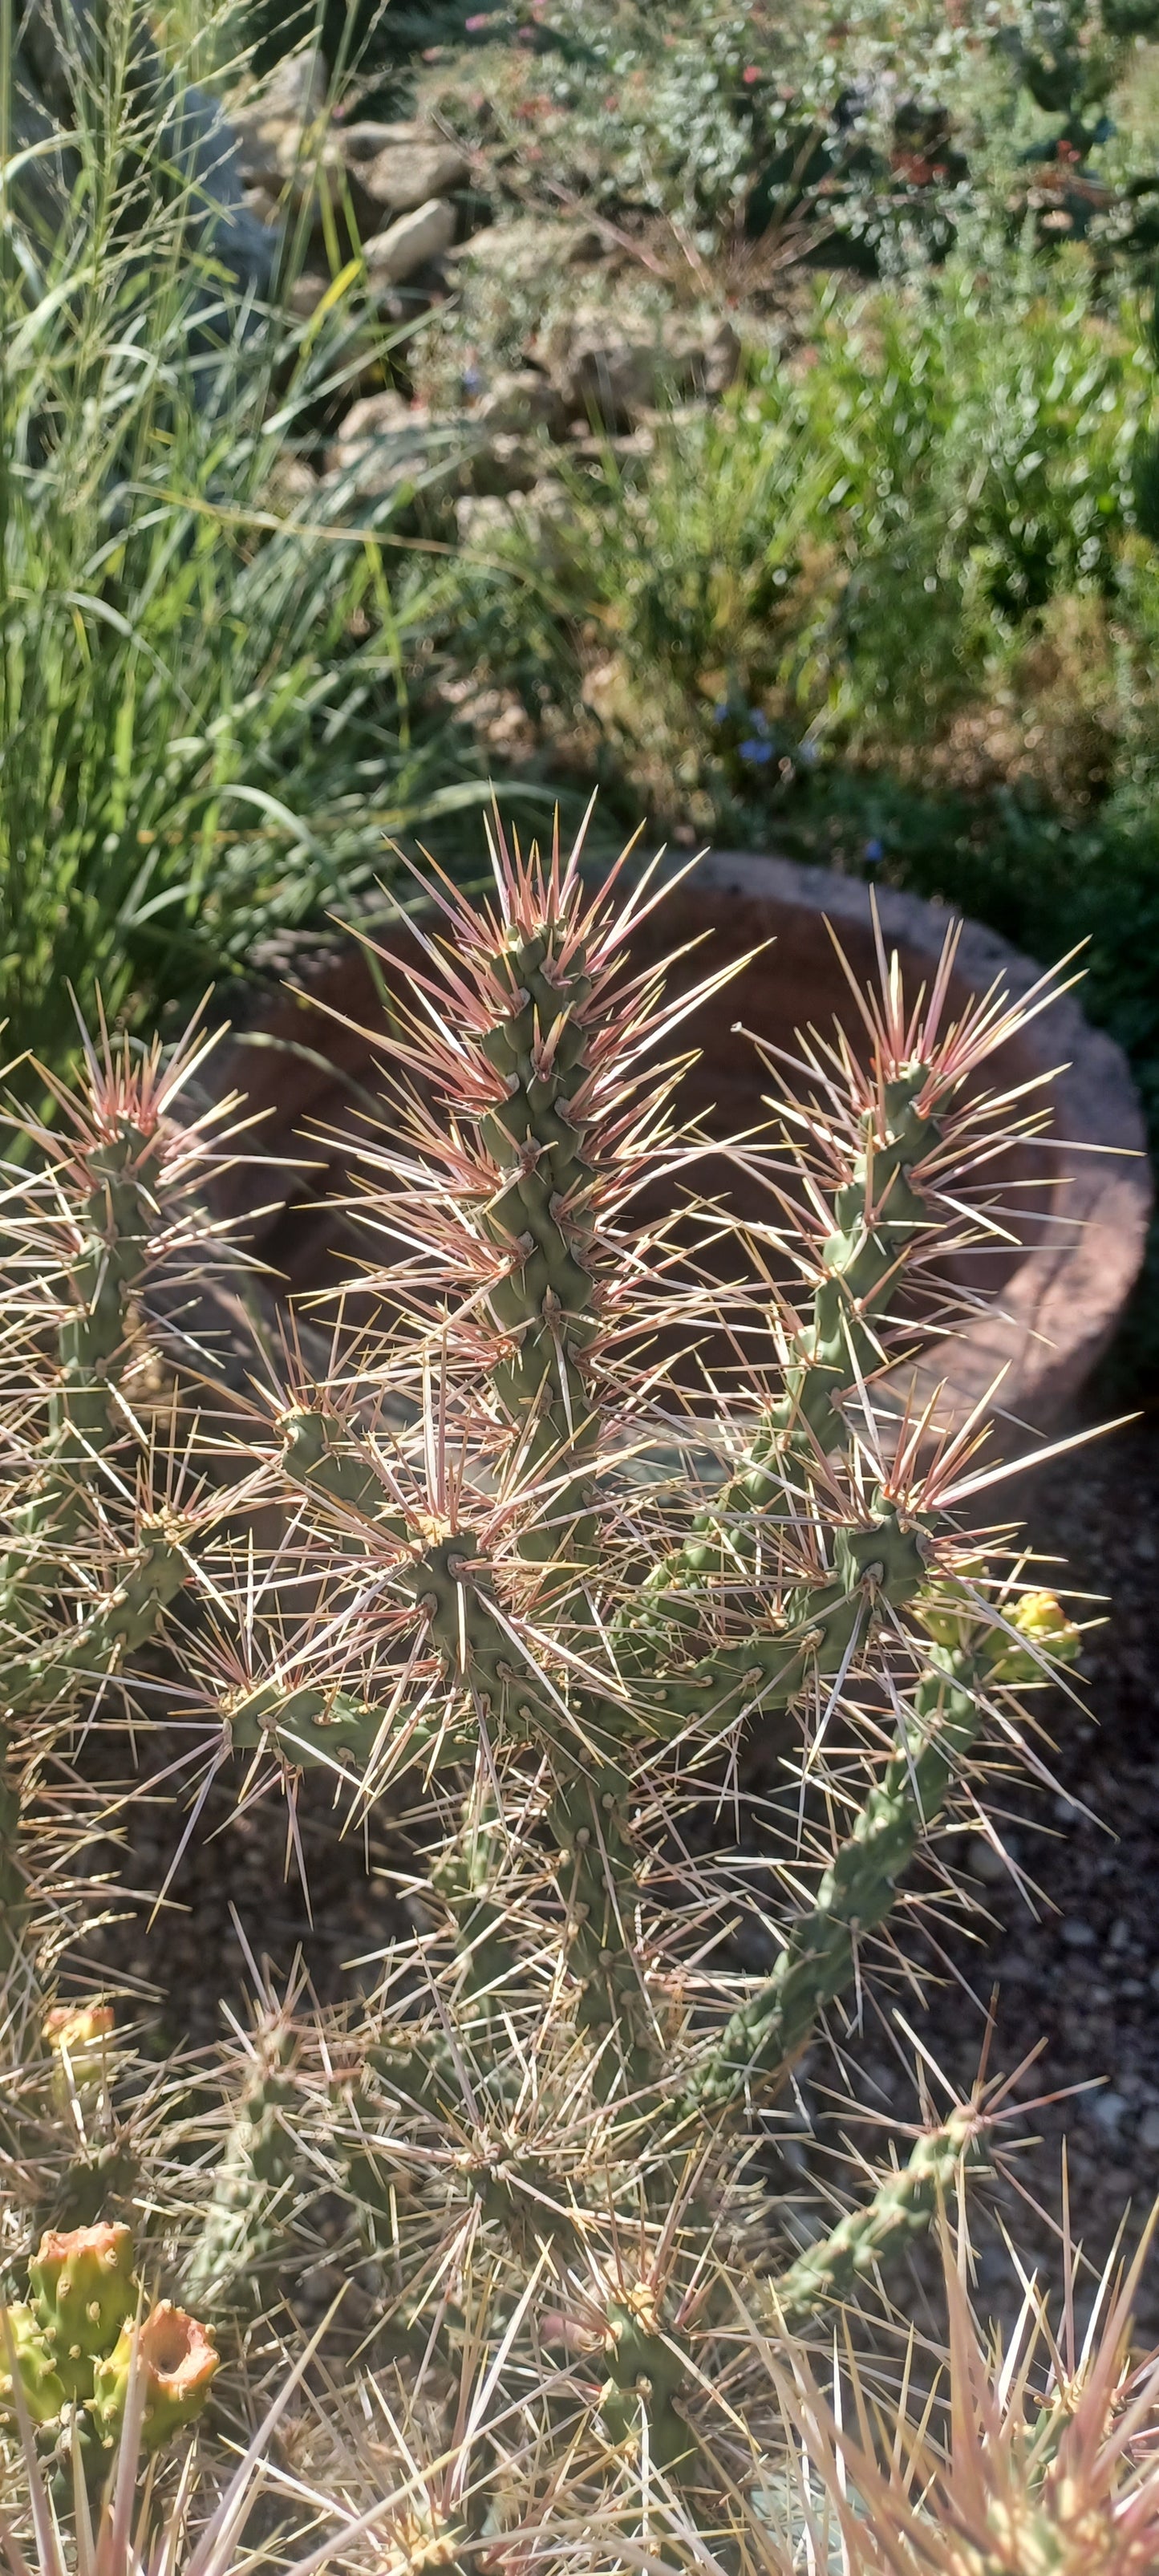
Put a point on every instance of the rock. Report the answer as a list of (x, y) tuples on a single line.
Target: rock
[(262, 205), (290, 483), (1077, 1935), (259, 140), (609, 380), (614, 368), (375, 416), (703, 360), (502, 464), (384, 441), (408, 244), (406, 174), (306, 293), (521, 401), (524, 248), (1149, 2127), (298, 86), (311, 173), (366, 139)]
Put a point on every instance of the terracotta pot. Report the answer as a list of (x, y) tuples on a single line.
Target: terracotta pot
[(1052, 1299)]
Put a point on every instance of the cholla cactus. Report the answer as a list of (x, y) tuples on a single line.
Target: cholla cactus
[(1046, 2464), (531, 1564)]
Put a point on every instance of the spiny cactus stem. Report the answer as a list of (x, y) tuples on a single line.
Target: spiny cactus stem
[(900, 2209), (856, 1891), (540, 1218), (324, 1453), (880, 1216), (248, 2213), (13, 1884), (125, 1619), (119, 1227), (464, 1877)]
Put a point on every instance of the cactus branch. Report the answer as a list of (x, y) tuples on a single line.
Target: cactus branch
[(856, 1892), (901, 2208)]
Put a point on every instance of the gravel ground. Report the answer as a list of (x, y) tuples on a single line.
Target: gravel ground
[(1076, 1966)]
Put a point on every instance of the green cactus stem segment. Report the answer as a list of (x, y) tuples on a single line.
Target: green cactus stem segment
[(83, 2288), (248, 2217), (855, 1894), (901, 2208), (540, 1218), (26, 2357), (880, 1215), (118, 1226), (645, 2378), (126, 1618), (324, 1453)]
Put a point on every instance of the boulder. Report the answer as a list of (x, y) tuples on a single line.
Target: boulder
[(298, 86), (521, 401), (375, 416), (364, 140), (405, 175), (424, 234), (501, 464), (612, 369), (306, 294), (523, 249)]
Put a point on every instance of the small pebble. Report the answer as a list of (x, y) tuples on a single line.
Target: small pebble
[(986, 1863), (1077, 1935), (1108, 2109), (1149, 2127)]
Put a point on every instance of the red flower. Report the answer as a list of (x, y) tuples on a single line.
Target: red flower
[(750, 74)]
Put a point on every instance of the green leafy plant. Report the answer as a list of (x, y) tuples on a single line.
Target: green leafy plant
[(529, 1562), (203, 679)]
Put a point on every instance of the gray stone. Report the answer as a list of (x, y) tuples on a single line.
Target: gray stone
[(502, 464), (306, 294), (406, 174), (192, 150), (375, 416), (262, 205), (364, 140), (524, 248), (1108, 2110), (423, 234), (298, 86), (1077, 1935), (522, 401), (1149, 2127)]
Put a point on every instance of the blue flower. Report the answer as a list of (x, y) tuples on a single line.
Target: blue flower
[(756, 752), (874, 853), (721, 714)]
